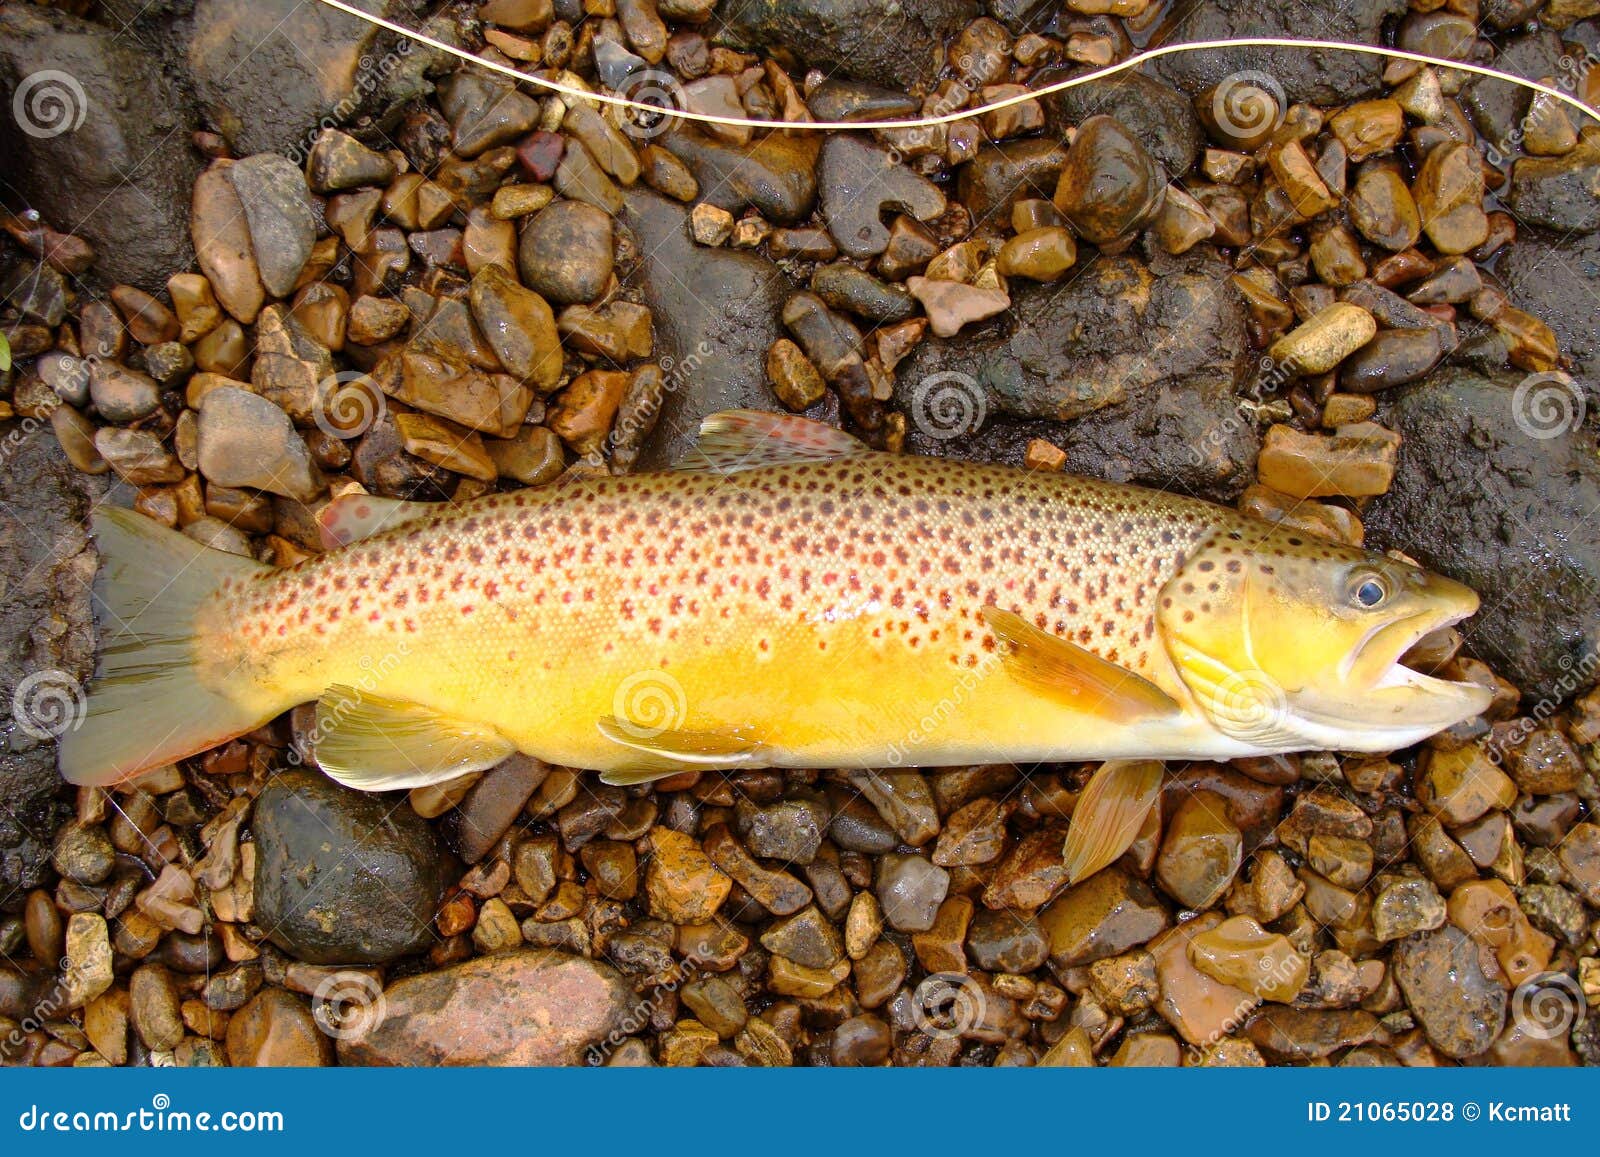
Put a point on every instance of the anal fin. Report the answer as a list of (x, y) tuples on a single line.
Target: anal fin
[(1077, 677), (374, 743)]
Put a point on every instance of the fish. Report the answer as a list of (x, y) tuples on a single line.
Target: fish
[(788, 597)]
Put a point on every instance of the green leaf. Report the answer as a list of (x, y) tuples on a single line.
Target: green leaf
[(5, 354)]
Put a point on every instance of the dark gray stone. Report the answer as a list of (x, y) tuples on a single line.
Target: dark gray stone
[(46, 644), (271, 74), (865, 39), (1319, 76), (1554, 278), (1145, 378), (1460, 1007), (121, 178), (1479, 498), (716, 314), (343, 877)]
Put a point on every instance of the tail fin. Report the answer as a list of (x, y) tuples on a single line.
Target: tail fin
[(146, 705)]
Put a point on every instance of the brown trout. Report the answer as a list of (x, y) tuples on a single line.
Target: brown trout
[(793, 599)]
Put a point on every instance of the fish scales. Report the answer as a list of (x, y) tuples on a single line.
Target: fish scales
[(796, 599)]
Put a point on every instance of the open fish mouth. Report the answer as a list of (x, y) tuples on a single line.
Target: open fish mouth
[(1385, 651)]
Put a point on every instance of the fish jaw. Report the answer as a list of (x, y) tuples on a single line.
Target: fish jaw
[(1398, 705)]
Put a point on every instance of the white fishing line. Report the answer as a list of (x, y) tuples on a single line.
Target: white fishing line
[(1133, 61)]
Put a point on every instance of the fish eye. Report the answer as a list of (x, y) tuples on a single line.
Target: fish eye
[(1371, 592)]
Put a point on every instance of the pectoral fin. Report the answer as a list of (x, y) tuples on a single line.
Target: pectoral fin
[(352, 517), (1109, 814), (682, 750), (1077, 677), (373, 743)]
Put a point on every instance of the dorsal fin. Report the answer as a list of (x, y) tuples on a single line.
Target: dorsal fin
[(352, 517), (735, 440)]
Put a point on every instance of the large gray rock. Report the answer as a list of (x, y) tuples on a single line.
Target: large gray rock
[(716, 314), (1480, 496), (1554, 278), (1315, 75), (343, 877), (895, 44), (46, 644), (1144, 371), (120, 178), (271, 73)]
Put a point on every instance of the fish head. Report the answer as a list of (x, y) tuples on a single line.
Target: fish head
[(1288, 641)]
